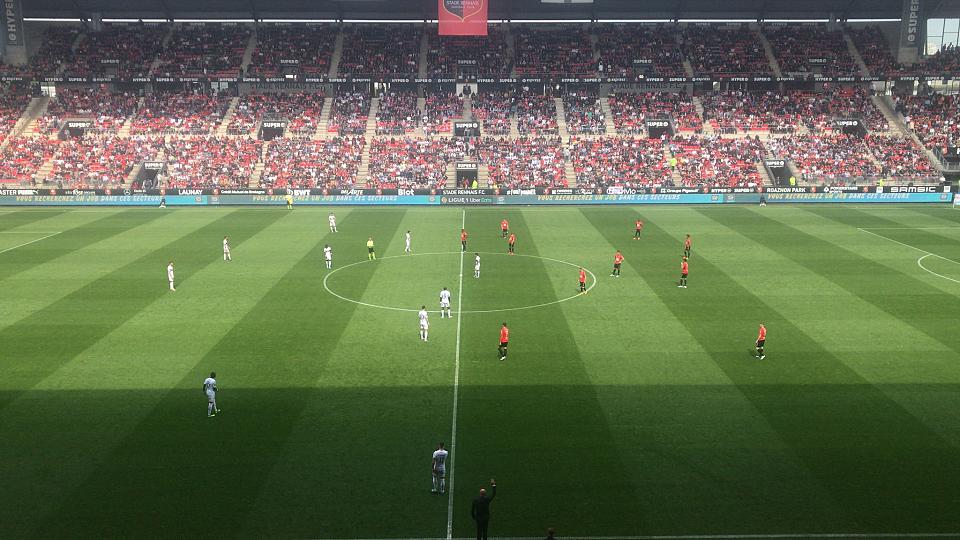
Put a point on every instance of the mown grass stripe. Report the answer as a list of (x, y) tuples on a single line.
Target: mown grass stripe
[(283, 340), (28, 355), (13, 220), (515, 393), (864, 449)]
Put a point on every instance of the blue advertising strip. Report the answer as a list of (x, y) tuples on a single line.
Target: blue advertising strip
[(461, 200)]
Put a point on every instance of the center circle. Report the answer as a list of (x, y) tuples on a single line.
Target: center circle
[(468, 274)]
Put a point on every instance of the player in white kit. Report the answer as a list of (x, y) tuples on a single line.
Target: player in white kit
[(445, 303), (332, 220), (210, 389), (226, 250), (424, 323), (438, 467), (476, 265), (407, 239), (170, 275), (328, 256)]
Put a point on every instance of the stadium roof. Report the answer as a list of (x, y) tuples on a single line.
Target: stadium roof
[(499, 9)]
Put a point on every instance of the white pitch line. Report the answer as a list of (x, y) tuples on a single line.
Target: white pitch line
[(920, 260), (699, 536), (909, 228), (28, 243), (456, 387)]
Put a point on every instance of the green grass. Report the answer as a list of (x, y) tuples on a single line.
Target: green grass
[(637, 409)]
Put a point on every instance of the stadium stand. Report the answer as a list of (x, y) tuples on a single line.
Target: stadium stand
[(583, 113), (935, 118), (101, 160), (300, 109), (630, 110), (536, 114), (199, 49), (631, 50), (384, 49), (349, 114), (834, 158), (524, 162), (552, 51), (450, 55), (125, 50), (211, 162), (108, 110), (397, 114), (414, 163), (810, 48), (724, 50), (439, 109), (192, 114), (619, 162), (493, 110), (716, 161), (303, 163), (292, 48), (875, 50), (12, 105), (22, 158)]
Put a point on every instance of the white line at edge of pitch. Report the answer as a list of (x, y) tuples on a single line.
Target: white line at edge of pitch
[(456, 386), (30, 242)]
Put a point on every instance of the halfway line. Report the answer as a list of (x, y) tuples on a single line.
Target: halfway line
[(456, 386)]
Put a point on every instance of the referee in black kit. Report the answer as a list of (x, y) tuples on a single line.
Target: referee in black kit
[(481, 509)]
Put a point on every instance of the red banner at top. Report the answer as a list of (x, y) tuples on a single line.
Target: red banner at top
[(463, 17)]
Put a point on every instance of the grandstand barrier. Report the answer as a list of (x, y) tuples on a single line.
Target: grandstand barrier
[(932, 194)]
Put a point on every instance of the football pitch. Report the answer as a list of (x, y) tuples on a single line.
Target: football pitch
[(638, 409)]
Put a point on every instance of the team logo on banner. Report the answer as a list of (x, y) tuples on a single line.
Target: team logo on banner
[(463, 17), (463, 8)]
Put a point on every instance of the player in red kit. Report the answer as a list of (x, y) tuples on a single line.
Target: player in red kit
[(504, 341), (684, 270), (463, 239), (583, 281), (504, 227), (636, 233), (761, 339), (510, 243), (617, 261), (687, 242)]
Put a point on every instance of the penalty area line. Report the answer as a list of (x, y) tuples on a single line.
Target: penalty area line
[(28, 243), (919, 260)]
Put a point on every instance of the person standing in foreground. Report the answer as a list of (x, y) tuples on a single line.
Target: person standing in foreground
[(170, 276), (617, 261), (761, 340), (463, 239), (511, 243), (504, 341), (504, 227), (406, 238), (332, 221), (371, 254), (480, 511), (328, 256), (226, 250), (289, 202), (210, 389), (687, 242), (438, 465), (583, 281), (424, 323), (476, 266), (684, 270), (639, 229)]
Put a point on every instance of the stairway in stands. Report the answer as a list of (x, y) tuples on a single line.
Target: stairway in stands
[(124, 130), (674, 173), (886, 106), (561, 118), (324, 123), (608, 124), (363, 171), (337, 55), (855, 53), (422, 59), (36, 109), (228, 117), (768, 51), (248, 52), (698, 105)]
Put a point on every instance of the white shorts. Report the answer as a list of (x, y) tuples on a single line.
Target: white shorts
[(444, 304), (211, 397), (424, 326), (226, 252), (440, 473)]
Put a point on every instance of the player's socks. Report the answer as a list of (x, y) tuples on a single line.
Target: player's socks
[(443, 485), (434, 490)]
